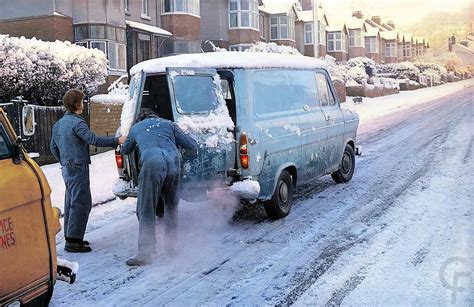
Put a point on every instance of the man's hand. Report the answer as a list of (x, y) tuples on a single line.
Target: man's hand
[(122, 139)]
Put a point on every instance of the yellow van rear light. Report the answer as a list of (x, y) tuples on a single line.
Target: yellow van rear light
[(243, 148)]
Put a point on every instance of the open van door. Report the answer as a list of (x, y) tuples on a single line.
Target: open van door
[(199, 108)]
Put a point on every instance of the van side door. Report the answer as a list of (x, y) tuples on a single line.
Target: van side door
[(25, 255), (334, 121)]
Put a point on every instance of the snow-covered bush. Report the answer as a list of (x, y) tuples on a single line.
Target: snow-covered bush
[(367, 64), (272, 48), (336, 70), (42, 72), (357, 74), (431, 68), (403, 70)]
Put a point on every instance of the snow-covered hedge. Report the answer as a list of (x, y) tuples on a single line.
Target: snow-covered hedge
[(337, 70), (367, 64), (431, 68), (42, 72), (272, 48), (403, 70)]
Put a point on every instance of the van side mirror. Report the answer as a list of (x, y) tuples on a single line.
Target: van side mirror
[(28, 120)]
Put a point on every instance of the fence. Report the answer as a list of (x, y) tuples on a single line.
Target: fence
[(37, 144)]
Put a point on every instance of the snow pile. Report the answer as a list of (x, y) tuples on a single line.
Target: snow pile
[(119, 86), (43, 71), (121, 185), (109, 99), (74, 266), (351, 82), (210, 130), (248, 189), (272, 48)]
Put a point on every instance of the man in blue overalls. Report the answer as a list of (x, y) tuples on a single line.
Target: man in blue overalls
[(70, 145), (158, 140)]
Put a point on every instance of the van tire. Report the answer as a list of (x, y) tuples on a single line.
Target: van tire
[(280, 204), (346, 167)]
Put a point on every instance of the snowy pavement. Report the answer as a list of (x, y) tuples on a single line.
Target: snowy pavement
[(401, 232)]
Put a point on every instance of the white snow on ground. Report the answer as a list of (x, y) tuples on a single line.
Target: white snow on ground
[(372, 108)]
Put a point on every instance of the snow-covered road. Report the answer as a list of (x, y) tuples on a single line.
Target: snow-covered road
[(401, 232)]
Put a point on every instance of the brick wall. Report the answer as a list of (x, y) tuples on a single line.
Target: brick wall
[(373, 56), (322, 50), (356, 52), (104, 121), (182, 26), (339, 56), (285, 43), (47, 28), (243, 36)]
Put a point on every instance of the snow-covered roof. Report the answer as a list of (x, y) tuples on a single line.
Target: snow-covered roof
[(407, 37), (147, 28), (355, 23), (337, 21), (229, 60), (307, 16), (389, 35), (277, 7), (371, 31)]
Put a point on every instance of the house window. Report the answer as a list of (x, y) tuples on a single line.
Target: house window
[(97, 31), (282, 27), (391, 49), (322, 34), (244, 14), (145, 7), (371, 45), (101, 45), (407, 50), (117, 56), (240, 47), (82, 44), (180, 6), (308, 33), (261, 26), (336, 42), (355, 38), (143, 47), (126, 5)]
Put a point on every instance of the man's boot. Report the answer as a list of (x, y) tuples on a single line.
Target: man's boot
[(75, 247), (140, 260)]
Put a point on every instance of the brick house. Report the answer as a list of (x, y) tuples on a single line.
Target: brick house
[(372, 43), (337, 41), (390, 43), (231, 24), (306, 43), (407, 47), (357, 29), (281, 21)]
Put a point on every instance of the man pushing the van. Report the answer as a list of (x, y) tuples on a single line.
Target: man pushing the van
[(158, 140)]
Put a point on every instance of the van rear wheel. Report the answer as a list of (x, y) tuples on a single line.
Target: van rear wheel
[(346, 167), (280, 204)]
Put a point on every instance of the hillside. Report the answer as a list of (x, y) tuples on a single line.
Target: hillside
[(438, 26)]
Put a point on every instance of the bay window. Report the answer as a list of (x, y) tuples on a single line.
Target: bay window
[(336, 42), (407, 50), (244, 14), (371, 45), (282, 27), (117, 56), (308, 33), (355, 38), (391, 49), (180, 6)]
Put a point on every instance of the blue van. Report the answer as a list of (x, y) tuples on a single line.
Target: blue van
[(264, 122)]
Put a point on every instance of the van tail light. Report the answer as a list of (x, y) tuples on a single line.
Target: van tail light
[(119, 159), (244, 152)]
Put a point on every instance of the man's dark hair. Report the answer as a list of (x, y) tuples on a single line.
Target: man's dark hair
[(144, 113), (72, 99)]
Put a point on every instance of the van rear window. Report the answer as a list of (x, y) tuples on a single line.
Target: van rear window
[(284, 90), (195, 94)]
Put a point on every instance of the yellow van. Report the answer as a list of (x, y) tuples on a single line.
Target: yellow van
[(28, 225)]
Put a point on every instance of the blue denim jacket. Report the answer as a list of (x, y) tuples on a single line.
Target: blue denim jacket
[(71, 138), (158, 134)]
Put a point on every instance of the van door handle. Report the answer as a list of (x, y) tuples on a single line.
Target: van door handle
[(328, 118)]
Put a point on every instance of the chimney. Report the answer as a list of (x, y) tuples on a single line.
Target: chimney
[(306, 5), (377, 20), (358, 14), (391, 23)]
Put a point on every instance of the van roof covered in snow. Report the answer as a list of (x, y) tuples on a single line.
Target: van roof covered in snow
[(230, 59)]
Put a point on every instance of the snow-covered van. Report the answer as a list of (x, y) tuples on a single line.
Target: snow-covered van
[(264, 122), (28, 225)]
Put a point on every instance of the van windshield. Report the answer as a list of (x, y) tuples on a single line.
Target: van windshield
[(195, 94)]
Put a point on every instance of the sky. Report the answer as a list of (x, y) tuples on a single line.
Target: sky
[(403, 12)]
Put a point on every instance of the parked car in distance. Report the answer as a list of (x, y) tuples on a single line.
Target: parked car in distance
[(28, 226), (264, 122)]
